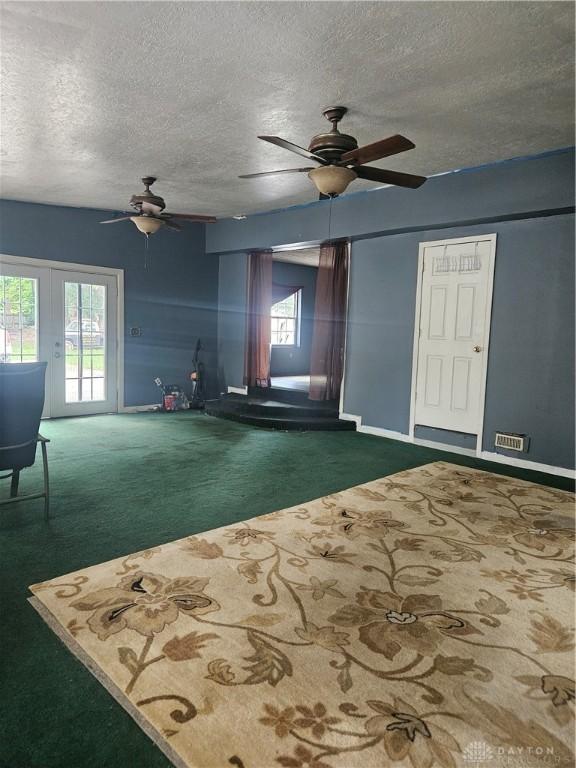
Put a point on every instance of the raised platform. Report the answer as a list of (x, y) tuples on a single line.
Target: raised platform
[(276, 409), (299, 383)]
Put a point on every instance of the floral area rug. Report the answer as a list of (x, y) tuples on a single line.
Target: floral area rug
[(420, 620)]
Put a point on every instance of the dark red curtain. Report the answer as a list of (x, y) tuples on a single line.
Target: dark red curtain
[(258, 319), (327, 358)]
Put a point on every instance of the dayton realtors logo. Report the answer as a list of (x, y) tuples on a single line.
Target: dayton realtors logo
[(478, 754)]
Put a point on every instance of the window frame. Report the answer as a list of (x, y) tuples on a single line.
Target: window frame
[(297, 320)]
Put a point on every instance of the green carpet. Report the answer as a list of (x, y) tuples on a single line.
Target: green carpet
[(124, 483)]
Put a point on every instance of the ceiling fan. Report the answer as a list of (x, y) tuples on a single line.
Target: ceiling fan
[(150, 215), (340, 159)]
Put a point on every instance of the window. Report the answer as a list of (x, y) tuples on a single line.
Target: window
[(18, 319), (285, 319), (85, 322)]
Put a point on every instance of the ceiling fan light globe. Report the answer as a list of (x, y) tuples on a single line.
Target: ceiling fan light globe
[(331, 179), (148, 225)]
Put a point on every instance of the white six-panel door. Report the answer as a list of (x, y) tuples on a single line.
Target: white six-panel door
[(453, 333)]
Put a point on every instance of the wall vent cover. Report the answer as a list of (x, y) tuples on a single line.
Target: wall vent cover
[(509, 442)]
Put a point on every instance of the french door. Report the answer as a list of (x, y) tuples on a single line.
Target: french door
[(84, 343), (69, 319)]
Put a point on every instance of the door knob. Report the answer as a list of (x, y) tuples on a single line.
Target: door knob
[(477, 349)]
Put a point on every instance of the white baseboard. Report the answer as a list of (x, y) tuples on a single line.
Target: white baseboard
[(378, 431), (535, 466), (350, 417), (138, 408), (486, 455), (237, 390)]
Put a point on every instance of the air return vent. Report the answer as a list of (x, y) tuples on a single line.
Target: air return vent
[(510, 442)]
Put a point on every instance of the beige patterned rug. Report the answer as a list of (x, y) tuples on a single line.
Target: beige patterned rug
[(420, 620)]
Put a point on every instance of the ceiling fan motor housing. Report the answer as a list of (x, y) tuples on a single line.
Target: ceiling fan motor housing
[(147, 196), (137, 200), (333, 144)]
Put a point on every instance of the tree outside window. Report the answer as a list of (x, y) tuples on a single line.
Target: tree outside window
[(18, 319)]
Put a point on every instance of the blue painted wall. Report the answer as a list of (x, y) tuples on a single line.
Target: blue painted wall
[(530, 384), (529, 203), (512, 189), (531, 361), (174, 301), (294, 361), (380, 333)]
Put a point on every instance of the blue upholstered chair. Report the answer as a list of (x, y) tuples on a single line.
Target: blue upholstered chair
[(21, 404)]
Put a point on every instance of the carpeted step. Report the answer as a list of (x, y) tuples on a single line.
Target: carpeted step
[(269, 408), (276, 415), (301, 423), (292, 396)]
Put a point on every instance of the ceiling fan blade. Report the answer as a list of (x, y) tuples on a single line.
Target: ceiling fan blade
[(189, 217), (273, 173), (293, 148), (171, 225), (390, 177), (113, 221), (393, 145)]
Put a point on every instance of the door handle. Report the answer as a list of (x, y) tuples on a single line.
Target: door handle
[(477, 349)]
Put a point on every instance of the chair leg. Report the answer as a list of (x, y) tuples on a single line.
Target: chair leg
[(46, 482), (14, 483)]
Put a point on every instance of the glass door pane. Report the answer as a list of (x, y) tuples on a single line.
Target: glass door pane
[(85, 342), (18, 319)]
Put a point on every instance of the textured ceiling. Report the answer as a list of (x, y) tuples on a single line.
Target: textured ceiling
[(309, 257), (97, 94)]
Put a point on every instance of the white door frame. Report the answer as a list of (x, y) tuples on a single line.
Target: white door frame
[(348, 271), (487, 319), (90, 269)]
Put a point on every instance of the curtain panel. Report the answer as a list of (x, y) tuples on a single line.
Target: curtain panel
[(258, 335), (327, 358)]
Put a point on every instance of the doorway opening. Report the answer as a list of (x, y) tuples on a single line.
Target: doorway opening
[(294, 341), (294, 275)]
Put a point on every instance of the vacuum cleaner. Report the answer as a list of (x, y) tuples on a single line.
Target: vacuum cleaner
[(173, 396)]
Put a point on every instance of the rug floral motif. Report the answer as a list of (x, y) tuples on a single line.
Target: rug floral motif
[(424, 619)]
